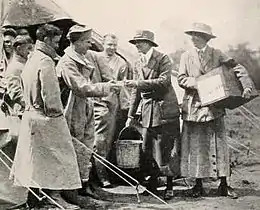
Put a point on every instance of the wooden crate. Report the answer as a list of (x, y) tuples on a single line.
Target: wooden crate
[(222, 88)]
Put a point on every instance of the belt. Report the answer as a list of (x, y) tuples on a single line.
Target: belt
[(151, 95)]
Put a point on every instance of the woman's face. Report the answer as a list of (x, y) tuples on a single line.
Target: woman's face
[(198, 41), (8, 43), (143, 46)]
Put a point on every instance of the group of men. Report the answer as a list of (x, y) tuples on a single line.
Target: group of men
[(57, 140)]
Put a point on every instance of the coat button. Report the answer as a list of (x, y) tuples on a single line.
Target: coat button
[(214, 170), (214, 163), (213, 155)]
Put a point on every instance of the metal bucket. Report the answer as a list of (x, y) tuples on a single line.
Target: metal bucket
[(129, 148)]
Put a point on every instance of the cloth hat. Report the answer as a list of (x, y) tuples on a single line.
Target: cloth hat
[(78, 29), (9, 31), (144, 35), (201, 28), (22, 39)]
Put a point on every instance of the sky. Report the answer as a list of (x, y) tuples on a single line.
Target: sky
[(232, 21)]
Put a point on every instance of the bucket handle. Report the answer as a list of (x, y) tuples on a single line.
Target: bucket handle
[(127, 127)]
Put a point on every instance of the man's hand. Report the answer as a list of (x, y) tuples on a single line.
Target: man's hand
[(247, 93), (114, 86), (131, 83)]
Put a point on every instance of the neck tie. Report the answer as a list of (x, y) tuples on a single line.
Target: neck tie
[(200, 53), (143, 59)]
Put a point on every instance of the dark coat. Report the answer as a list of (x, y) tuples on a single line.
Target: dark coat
[(154, 93)]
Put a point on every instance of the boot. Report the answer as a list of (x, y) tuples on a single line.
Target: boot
[(56, 196), (197, 190), (168, 193), (225, 190), (102, 175)]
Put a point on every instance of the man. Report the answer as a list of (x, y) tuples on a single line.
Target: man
[(154, 97), (9, 36), (204, 146), (104, 113), (23, 45), (45, 147), (75, 69), (118, 114)]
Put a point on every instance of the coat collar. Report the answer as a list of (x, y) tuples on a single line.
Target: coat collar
[(148, 69), (206, 58), (19, 58), (77, 57), (46, 49)]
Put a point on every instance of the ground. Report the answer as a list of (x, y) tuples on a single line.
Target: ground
[(245, 177)]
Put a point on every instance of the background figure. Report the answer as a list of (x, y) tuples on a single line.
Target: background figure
[(120, 70), (9, 36), (75, 70), (23, 45), (44, 135), (153, 96), (204, 145)]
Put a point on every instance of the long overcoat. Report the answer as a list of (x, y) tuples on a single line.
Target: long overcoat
[(75, 70), (45, 156)]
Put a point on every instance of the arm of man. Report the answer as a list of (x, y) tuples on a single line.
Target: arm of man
[(79, 85)]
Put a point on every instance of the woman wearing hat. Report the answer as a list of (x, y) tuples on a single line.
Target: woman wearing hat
[(204, 147), (154, 99)]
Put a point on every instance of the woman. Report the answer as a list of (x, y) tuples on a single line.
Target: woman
[(204, 146)]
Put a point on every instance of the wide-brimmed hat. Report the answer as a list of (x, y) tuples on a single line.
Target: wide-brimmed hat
[(144, 35), (201, 28), (78, 29)]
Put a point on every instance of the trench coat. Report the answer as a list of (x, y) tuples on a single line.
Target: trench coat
[(204, 147), (158, 105), (45, 156), (76, 70)]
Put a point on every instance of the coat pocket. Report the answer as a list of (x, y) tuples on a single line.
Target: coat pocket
[(168, 110)]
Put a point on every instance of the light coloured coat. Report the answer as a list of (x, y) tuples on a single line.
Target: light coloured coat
[(45, 156)]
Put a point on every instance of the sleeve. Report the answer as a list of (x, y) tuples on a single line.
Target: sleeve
[(135, 99), (164, 79), (239, 70), (14, 88), (50, 90), (79, 85), (183, 75)]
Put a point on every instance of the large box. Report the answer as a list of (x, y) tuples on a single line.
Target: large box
[(222, 88)]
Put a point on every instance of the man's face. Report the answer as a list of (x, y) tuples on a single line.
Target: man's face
[(198, 41), (110, 45), (8, 43), (84, 43), (143, 46), (25, 49), (54, 42)]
